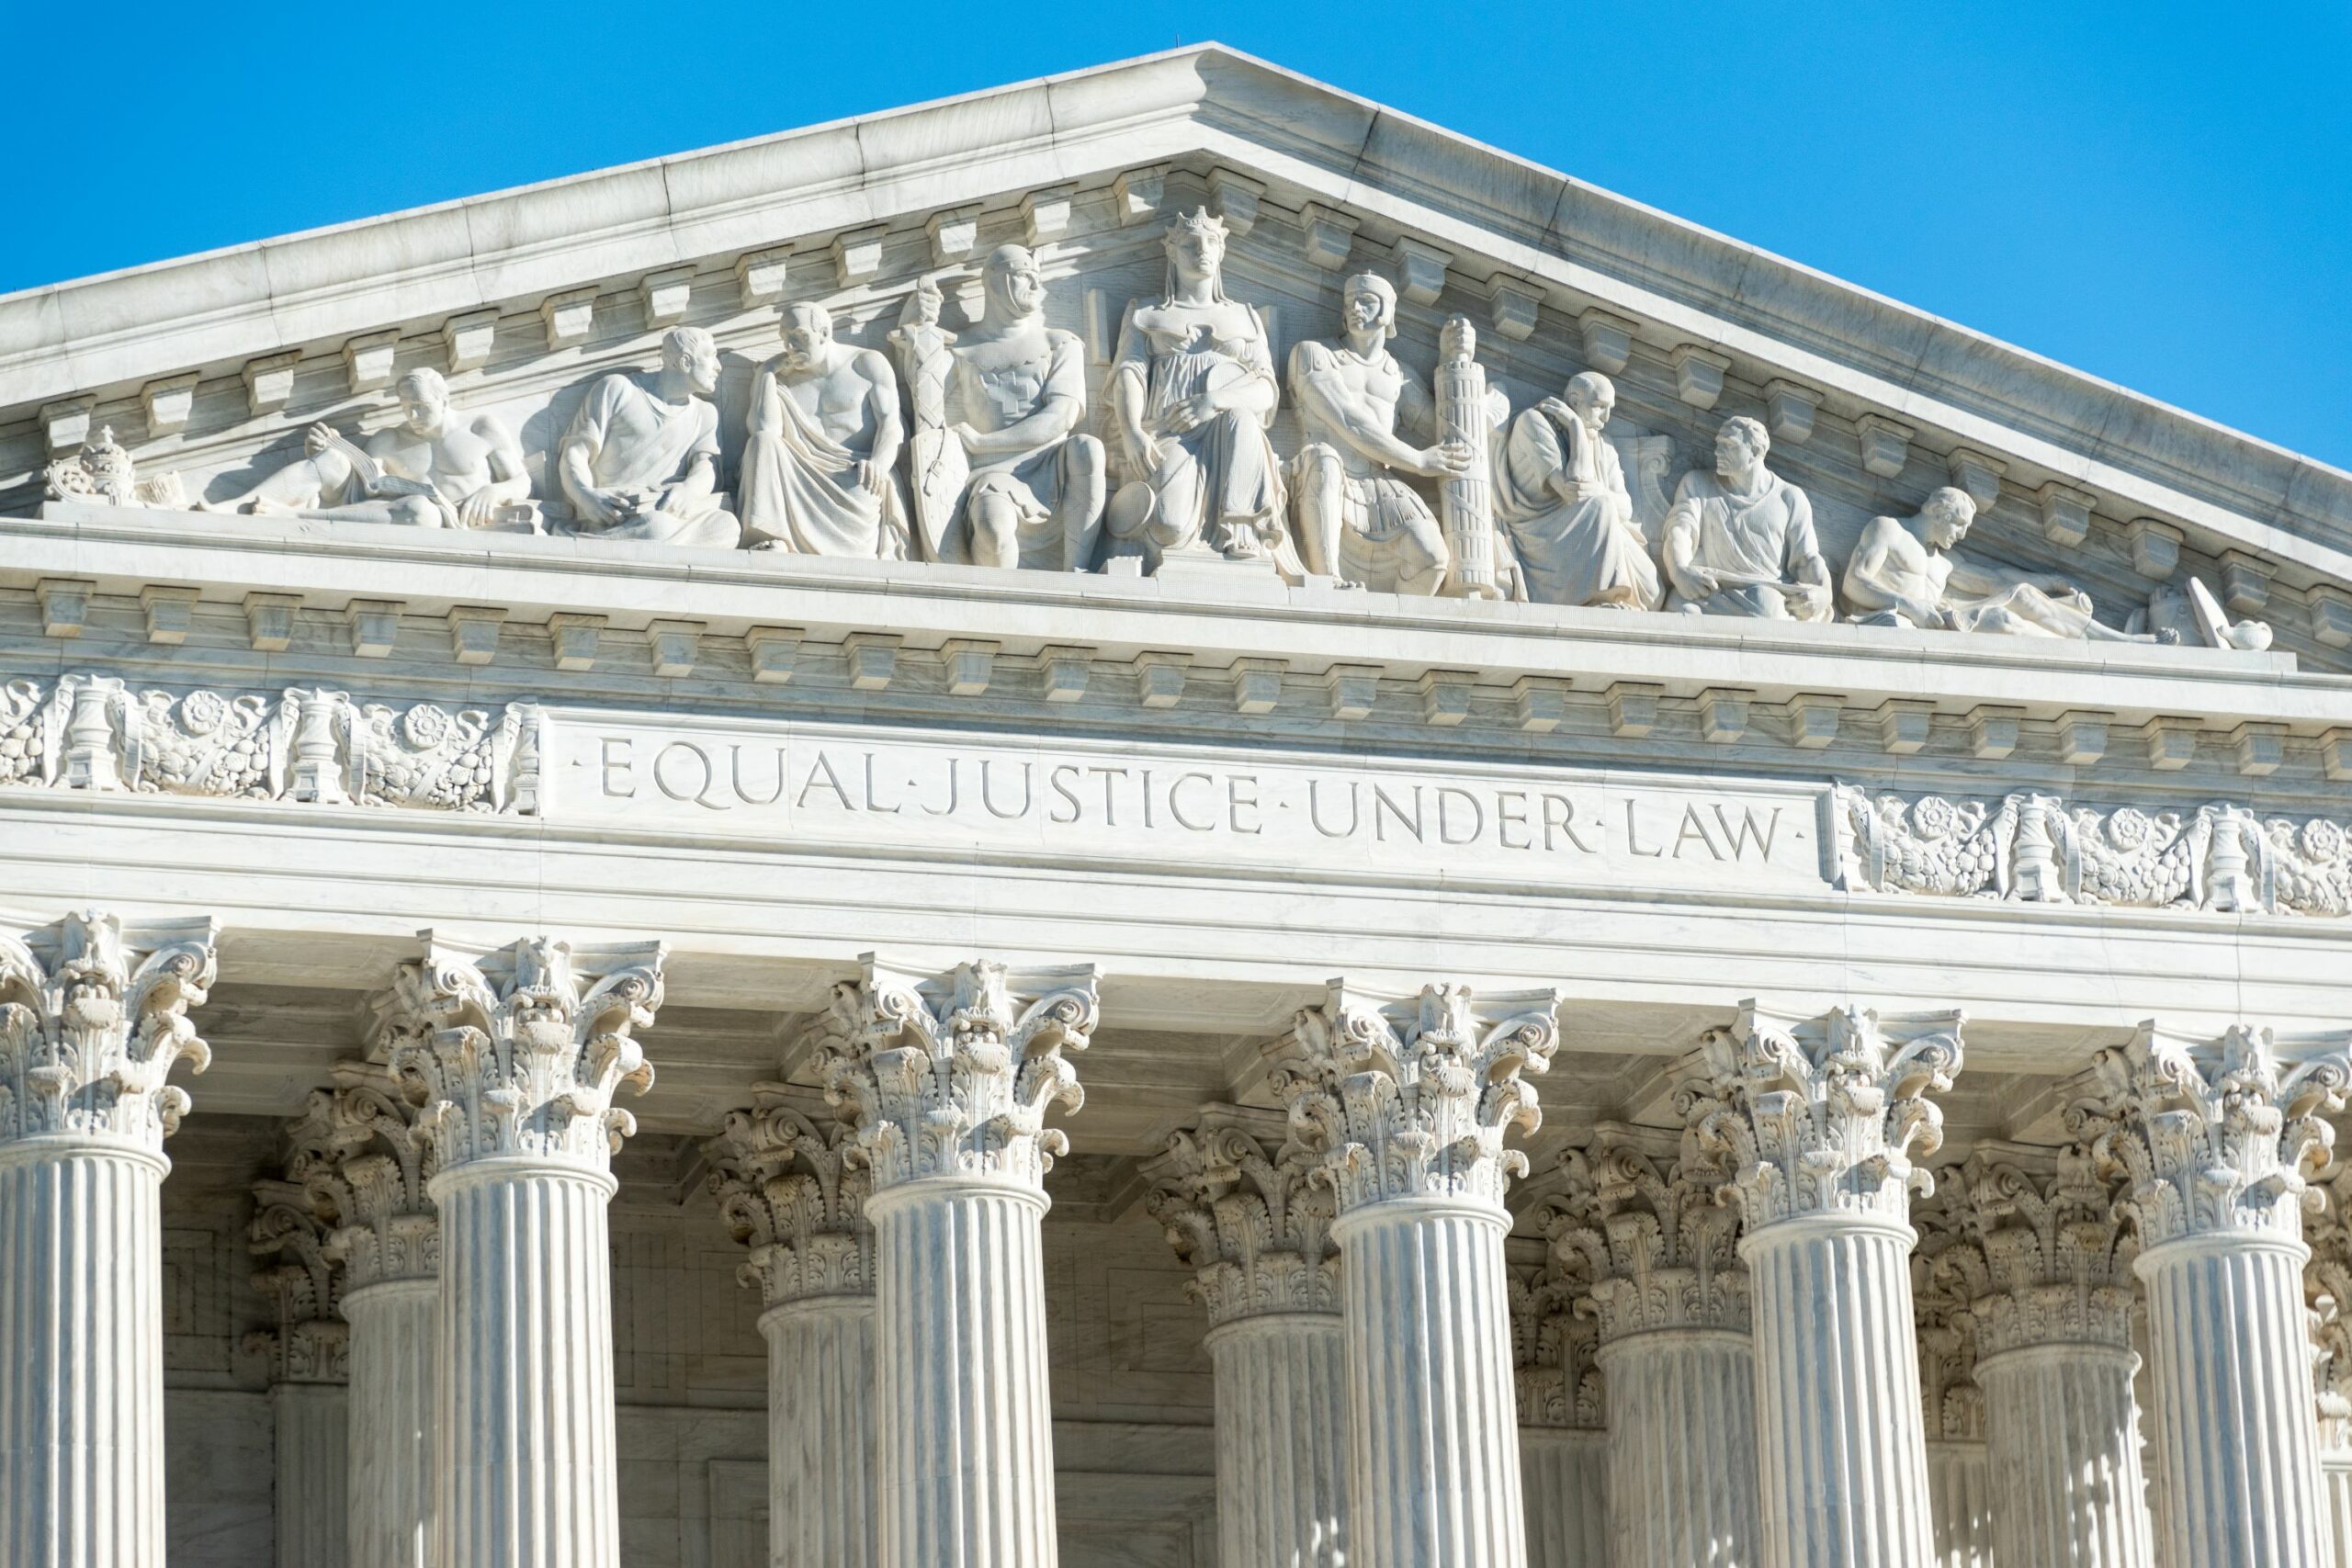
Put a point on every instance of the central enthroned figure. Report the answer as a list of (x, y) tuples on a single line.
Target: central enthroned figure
[(1358, 519), (1193, 389)]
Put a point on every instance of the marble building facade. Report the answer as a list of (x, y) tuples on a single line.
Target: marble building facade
[(1152, 820)]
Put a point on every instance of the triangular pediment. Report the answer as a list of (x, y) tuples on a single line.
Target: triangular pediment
[(210, 368)]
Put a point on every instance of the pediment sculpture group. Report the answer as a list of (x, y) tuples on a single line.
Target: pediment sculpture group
[(972, 448)]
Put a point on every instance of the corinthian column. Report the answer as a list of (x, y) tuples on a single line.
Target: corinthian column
[(1817, 1119), (2213, 1138), (2327, 1288), (1563, 1409), (388, 1239), (1641, 1223), (517, 1055), (1405, 1105), (2052, 1321), (310, 1365), (1239, 1209), (948, 1080), (92, 1017), (787, 1190)]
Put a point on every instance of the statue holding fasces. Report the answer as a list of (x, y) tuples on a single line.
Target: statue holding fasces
[(641, 458), (1740, 541), (819, 461), (1193, 392)]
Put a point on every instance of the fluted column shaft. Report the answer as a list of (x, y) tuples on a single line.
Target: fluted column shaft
[(1682, 1483), (395, 1346), (525, 1470), (313, 1428), (965, 1467), (1282, 1423), (1436, 1479), (81, 1335), (2060, 1426), (1843, 1454), (821, 1432), (1564, 1470), (2233, 1401)]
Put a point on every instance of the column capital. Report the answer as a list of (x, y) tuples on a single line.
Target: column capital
[(787, 1190), (2057, 1256), (1949, 1275), (1820, 1116), (2327, 1289), (93, 1018), (372, 1176), (1400, 1098), (950, 1075), (1241, 1208), (518, 1051), (2214, 1137), (310, 1343), (1638, 1215), (1555, 1346)]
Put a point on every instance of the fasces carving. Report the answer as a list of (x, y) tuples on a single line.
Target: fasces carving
[(952, 1077), (1560, 495), (1192, 391), (787, 1190), (1644, 1227), (92, 1018), (1003, 475), (301, 1284), (640, 459), (520, 1051), (302, 744), (2037, 849), (1246, 1215), (1948, 1275), (373, 1173), (436, 468), (1413, 1097), (2217, 1136), (102, 471), (1555, 1348), (1821, 1116), (820, 464), (1907, 572), (1740, 541), (1357, 518)]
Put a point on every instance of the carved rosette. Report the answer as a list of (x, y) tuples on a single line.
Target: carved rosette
[(93, 1018), (373, 1177), (1647, 1230), (1948, 1276), (787, 1190), (2057, 1257), (1248, 1218), (1821, 1116), (1556, 1345), (2214, 1137), (2327, 1285), (519, 1051), (952, 1077), (1412, 1099), (310, 1343)]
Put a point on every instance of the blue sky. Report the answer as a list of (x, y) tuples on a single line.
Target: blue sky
[(2158, 195)]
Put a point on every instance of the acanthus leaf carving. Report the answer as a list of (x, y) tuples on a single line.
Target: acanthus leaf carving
[(300, 1281), (788, 1191), (1241, 1207), (952, 1076), (2057, 1255), (1413, 1097), (2327, 1289), (1949, 1275), (1555, 1346), (373, 1177), (92, 1018), (520, 1051), (1641, 1215)]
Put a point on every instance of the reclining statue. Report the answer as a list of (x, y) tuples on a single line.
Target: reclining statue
[(1904, 572)]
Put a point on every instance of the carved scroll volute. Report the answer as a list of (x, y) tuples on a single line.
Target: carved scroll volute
[(789, 1189), (1639, 1216), (1242, 1209), (2218, 1135), (520, 1051), (92, 1018), (1825, 1115), (952, 1076), (2057, 1255)]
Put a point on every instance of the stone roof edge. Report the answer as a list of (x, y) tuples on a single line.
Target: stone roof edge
[(219, 305)]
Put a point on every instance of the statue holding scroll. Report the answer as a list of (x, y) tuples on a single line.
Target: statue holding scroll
[(1906, 572), (823, 440), (435, 468), (1193, 389), (1740, 541), (641, 458), (1003, 475), (1357, 518), (1560, 494)]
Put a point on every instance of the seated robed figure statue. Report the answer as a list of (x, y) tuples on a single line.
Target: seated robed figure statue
[(435, 468), (821, 457), (1560, 498), (641, 458), (1740, 541)]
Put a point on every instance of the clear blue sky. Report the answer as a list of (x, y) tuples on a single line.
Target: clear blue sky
[(2158, 194)]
